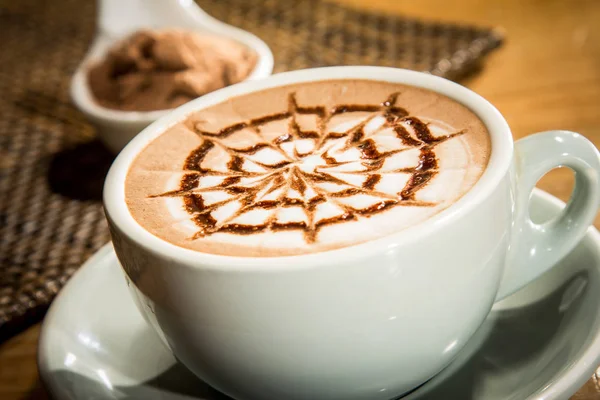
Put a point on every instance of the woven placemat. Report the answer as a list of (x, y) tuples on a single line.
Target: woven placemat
[(312, 33), (52, 168)]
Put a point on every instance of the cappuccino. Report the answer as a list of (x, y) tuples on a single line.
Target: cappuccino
[(306, 168)]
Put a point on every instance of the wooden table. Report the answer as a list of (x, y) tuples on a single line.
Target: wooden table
[(546, 76)]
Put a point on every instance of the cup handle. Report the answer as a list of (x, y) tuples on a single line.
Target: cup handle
[(535, 248)]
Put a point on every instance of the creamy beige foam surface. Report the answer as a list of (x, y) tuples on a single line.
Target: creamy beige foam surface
[(306, 168)]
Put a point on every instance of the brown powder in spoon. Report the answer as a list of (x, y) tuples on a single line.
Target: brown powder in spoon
[(157, 70)]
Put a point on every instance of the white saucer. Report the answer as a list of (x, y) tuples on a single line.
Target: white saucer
[(541, 343)]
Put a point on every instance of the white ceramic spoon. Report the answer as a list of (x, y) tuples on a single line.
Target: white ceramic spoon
[(117, 19)]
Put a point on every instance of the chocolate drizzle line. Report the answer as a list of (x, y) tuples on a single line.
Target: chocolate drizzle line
[(268, 191)]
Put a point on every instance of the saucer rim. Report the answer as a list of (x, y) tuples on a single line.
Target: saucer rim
[(569, 382), (579, 372)]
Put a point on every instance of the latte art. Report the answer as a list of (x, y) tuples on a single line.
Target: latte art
[(306, 177)]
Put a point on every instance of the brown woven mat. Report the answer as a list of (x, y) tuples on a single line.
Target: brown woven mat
[(51, 168)]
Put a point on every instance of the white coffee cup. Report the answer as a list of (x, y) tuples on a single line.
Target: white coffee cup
[(369, 321)]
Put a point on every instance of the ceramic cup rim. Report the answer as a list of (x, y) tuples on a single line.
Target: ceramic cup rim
[(498, 166)]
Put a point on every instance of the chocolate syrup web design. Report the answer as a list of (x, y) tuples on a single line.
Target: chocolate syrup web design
[(286, 174)]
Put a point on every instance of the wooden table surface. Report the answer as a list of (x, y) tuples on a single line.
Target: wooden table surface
[(546, 76)]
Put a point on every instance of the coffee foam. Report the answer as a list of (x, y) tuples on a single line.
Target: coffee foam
[(306, 168)]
